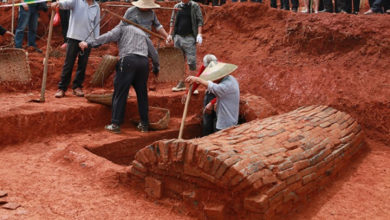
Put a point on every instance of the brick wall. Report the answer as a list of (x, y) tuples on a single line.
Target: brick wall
[(255, 170)]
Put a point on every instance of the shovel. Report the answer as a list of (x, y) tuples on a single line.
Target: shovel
[(45, 62)]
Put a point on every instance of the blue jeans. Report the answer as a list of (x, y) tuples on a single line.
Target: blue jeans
[(25, 18)]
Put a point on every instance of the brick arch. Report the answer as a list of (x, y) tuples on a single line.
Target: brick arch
[(262, 164)]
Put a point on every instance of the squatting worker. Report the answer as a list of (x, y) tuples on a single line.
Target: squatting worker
[(226, 89), (142, 14), (83, 25), (132, 69), (209, 115), (186, 30)]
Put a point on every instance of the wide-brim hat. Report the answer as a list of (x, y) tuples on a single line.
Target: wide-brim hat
[(216, 71), (145, 4)]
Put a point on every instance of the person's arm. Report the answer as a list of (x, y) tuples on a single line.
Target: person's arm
[(152, 53), (110, 36), (199, 20), (65, 4), (195, 86), (97, 22), (194, 79), (222, 88), (172, 24)]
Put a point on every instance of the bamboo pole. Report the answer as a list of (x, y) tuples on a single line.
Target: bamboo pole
[(133, 23)]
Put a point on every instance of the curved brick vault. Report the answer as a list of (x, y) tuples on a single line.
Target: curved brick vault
[(256, 169)]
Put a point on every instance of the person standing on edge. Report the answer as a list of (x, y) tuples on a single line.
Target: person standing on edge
[(132, 70), (186, 30), (83, 25), (28, 15)]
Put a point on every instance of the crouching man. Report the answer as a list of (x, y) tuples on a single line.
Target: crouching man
[(132, 70), (225, 87)]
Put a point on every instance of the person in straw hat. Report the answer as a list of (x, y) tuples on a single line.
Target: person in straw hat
[(218, 81), (142, 14)]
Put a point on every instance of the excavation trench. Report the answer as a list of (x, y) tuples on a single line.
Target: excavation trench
[(122, 152)]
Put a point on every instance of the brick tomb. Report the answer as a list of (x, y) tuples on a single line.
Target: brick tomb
[(254, 170)]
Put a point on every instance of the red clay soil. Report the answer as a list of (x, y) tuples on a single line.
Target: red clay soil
[(289, 59)]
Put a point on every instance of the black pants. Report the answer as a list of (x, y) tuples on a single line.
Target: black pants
[(286, 4), (132, 70), (338, 5), (64, 15), (73, 51), (209, 120), (352, 6)]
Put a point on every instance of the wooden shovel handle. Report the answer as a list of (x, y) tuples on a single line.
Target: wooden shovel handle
[(183, 119), (133, 23)]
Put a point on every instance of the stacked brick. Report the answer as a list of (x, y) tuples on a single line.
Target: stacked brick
[(258, 169)]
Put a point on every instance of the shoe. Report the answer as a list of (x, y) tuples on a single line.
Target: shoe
[(369, 12), (64, 46), (388, 11), (60, 93), (196, 92), (78, 92), (343, 12), (179, 87), (295, 10), (142, 128), (114, 128), (305, 11), (36, 49)]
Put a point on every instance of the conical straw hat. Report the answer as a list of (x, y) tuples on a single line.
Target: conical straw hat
[(145, 4), (216, 71)]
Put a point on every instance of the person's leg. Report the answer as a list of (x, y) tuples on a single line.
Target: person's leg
[(328, 5), (64, 15), (188, 46), (22, 24), (71, 54), (348, 6), (81, 67), (377, 6), (295, 5), (122, 81), (273, 4), (286, 4), (140, 87), (32, 26), (208, 119)]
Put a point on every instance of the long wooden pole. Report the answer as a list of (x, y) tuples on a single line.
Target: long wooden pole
[(44, 77), (132, 23), (128, 6), (183, 119)]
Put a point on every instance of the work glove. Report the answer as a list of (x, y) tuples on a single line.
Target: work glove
[(199, 39), (169, 39), (156, 70)]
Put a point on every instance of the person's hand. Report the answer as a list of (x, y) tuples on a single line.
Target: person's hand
[(169, 39), (208, 109), (83, 45), (156, 70), (199, 39), (25, 7), (191, 79), (9, 33)]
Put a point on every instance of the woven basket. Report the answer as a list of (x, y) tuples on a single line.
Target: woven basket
[(105, 99), (105, 69), (163, 122), (14, 65)]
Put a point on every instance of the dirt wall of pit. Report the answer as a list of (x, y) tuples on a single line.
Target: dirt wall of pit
[(256, 170)]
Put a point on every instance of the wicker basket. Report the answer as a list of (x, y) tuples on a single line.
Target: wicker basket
[(163, 122), (14, 65), (105, 69)]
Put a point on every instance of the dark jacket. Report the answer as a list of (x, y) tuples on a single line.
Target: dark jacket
[(2, 30), (196, 17)]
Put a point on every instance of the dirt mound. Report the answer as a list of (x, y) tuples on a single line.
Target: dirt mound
[(289, 59)]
